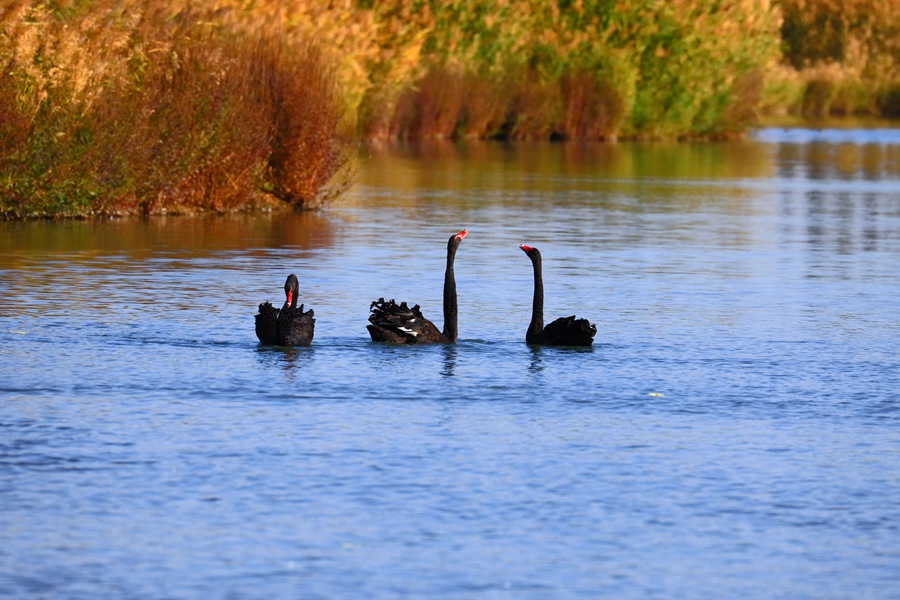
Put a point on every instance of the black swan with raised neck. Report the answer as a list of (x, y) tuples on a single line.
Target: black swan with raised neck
[(565, 331), (289, 326), (400, 324)]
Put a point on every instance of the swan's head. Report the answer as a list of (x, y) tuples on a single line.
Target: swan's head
[(533, 253), (455, 240), (291, 290)]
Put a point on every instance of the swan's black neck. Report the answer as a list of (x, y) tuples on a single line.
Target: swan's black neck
[(537, 306), (450, 307)]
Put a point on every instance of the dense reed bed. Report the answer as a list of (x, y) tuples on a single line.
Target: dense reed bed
[(612, 69), (840, 57), (129, 107), (585, 70), (136, 106)]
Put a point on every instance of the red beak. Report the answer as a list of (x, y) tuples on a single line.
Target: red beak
[(290, 296), (525, 248), (462, 234)]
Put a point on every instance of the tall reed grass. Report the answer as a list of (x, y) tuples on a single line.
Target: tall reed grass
[(607, 69), (526, 69), (134, 107), (845, 56), (149, 105)]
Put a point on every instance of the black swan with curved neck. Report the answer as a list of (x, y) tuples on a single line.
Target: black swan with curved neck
[(289, 326), (565, 331), (400, 324)]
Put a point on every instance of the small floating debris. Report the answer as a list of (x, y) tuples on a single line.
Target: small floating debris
[(656, 395)]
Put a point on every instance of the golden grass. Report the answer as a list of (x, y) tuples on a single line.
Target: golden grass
[(133, 107)]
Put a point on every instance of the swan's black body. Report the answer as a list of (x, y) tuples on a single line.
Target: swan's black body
[(565, 331), (400, 324), (289, 326)]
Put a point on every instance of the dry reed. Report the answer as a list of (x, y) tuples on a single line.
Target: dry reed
[(122, 107)]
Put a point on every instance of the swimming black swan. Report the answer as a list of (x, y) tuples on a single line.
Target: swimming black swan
[(565, 331), (400, 324), (289, 326)]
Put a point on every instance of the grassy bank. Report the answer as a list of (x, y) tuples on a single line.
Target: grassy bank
[(136, 106)]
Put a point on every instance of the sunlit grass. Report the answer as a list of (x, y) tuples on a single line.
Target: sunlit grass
[(133, 106)]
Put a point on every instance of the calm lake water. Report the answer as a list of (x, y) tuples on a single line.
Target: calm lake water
[(734, 432)]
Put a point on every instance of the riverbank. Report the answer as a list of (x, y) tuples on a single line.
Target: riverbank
[(123, 107), (859, 138)]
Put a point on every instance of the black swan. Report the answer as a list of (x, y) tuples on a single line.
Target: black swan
[(289, 326), (400, 324), (565, 331)]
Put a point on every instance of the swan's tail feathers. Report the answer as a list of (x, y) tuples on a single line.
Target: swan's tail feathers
[(569, 331), (295, 327), (391, 311), (400, 324), (310, 313)]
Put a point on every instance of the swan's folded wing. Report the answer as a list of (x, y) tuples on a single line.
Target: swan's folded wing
[(265, 324)]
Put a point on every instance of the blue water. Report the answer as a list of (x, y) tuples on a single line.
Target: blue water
[(734, 432)]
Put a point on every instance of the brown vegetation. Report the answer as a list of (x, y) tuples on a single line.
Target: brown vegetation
[(127, 108), (143, 106)]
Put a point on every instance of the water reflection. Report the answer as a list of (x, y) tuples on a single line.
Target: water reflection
[(496, 166), (868, 158), (449, 352), (501, 167), (543, 356), (138, 239), (839, 192), (289, 360), (536, 365)]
